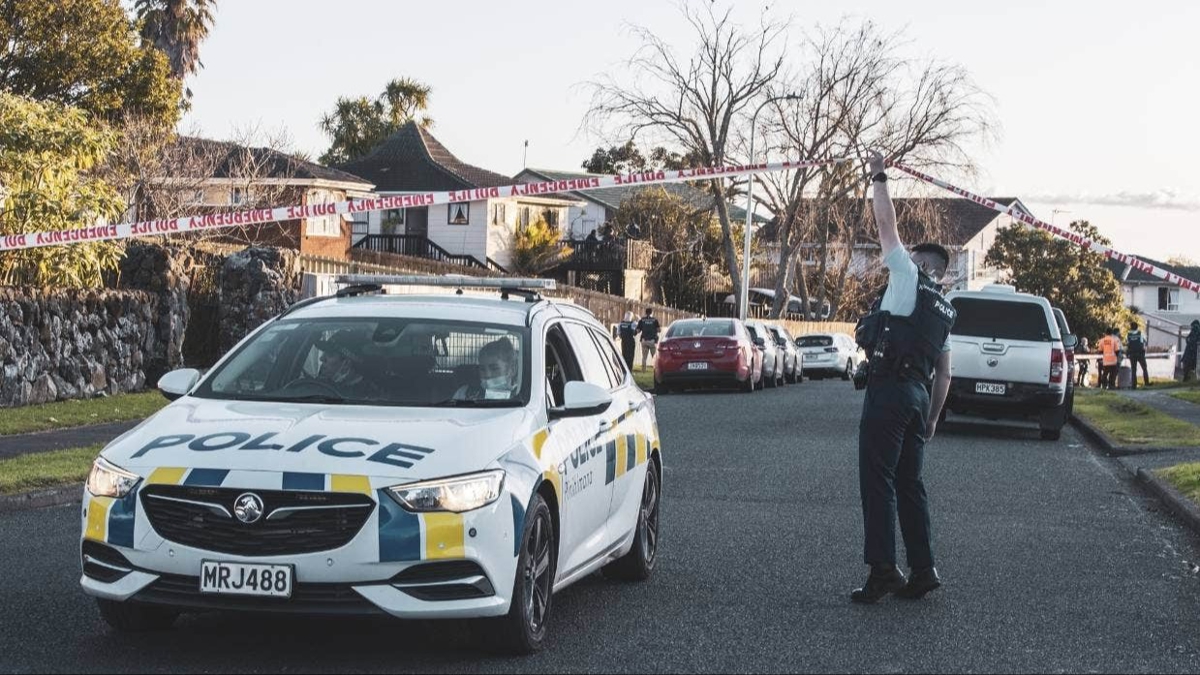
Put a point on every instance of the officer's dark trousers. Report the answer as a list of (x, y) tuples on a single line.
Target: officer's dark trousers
[(628, 349), (891, 449), (1134, 361)]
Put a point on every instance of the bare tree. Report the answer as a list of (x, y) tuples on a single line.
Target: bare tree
[(859, 89), (695, 102)]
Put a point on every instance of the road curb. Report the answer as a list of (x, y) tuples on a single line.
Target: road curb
[(39, 499), (1107, 444), (1183, 507)]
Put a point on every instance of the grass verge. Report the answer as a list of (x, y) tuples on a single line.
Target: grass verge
[(1191, 396), (644, 379), (67, 414), (1185, 478), (46, 469), (1130, 423)]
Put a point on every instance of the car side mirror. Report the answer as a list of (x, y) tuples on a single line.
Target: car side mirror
[(582, 399), (177, 383), (761, 342), (1070, 341)]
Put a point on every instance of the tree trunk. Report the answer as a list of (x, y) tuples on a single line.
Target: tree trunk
[(730, 249), (783, 269)]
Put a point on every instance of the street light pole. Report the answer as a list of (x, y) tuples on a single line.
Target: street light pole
[(744, 301)]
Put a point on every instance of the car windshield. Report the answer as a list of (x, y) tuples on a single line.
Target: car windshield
[(815, 341), (692, 329), (372, 361), (1001, 320)]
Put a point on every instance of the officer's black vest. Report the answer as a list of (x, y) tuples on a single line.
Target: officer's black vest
[(1137, 344), (909, 346)]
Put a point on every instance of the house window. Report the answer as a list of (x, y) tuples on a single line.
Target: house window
[(392, 221), (551, 217), (499, 214), (523, 220), (238, 196), (323, 226), (459, 213), (1168, 299)]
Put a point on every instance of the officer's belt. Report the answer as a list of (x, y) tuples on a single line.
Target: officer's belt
[(898, 369)]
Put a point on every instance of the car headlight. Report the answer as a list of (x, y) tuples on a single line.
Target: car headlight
[(457, 495), (110, 480)]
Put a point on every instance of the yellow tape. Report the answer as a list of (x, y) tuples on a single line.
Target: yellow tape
[(539, 439), (347, 483), (97, 518), (166, 476), (443, 536), (622, 455), (642, 449)]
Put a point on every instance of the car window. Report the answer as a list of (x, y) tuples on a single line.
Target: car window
[(616, 364), (816, 341), (591, 361), (561, 365), (708, 328), (377, 361), (1001, 320)]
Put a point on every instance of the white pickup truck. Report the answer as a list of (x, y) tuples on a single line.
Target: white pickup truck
[(1009, 358)]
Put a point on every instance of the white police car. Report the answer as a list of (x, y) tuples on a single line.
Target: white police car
[(423, 456)]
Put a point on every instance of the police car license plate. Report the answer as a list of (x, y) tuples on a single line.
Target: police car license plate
[(697, 366), (273, 581), (991, 388)]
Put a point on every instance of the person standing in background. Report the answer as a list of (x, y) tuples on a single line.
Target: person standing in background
[(627, 331), (1189, 352), (1136, 349), (1109, 360), (648, 327), (1084, 364)]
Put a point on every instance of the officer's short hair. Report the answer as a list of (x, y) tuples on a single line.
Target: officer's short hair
[(1133, 325), (936, 249)]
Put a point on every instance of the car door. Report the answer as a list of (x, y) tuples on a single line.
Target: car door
[(576, 448), (633, 434)]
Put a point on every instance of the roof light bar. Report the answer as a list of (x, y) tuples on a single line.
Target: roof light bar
[(447, 281)]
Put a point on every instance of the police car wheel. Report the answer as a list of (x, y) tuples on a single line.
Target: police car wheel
[(132, 617), (523, 629), (638, 564)]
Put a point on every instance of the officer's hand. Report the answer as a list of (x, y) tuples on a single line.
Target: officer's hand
[(875, 162), (930, 429)]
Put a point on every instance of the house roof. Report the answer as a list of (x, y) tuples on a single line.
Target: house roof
[(1139, 277), (268, 163), (963, 219), (611, 197), (412, 160)]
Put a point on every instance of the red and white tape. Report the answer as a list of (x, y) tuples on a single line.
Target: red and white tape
[(282, 213), (1072, 237)]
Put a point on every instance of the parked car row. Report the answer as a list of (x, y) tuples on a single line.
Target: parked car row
[(746, 355)]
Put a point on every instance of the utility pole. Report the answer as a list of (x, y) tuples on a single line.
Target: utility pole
[(525, 158)]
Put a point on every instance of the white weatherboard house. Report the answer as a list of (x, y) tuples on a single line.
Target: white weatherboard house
[(1167, 309), (478, 233)]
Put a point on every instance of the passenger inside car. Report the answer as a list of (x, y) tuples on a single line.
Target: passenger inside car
[(498, 374)]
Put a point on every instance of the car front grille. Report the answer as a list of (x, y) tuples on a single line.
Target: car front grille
[(292, 522), (184, 591)]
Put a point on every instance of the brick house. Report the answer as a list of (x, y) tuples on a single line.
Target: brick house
[(214, 176)]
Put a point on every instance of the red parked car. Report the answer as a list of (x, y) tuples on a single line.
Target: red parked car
[(697, 352)]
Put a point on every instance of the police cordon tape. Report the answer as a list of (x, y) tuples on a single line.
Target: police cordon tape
[(1072, 237), (282, 213)]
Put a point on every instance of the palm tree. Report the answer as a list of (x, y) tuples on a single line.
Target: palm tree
[(177, 27)]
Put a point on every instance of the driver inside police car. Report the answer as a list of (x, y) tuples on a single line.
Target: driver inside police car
[(341, 364), (907, 336), (497, 373)]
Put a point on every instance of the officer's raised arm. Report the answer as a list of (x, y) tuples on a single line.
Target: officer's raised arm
[(885, 211)]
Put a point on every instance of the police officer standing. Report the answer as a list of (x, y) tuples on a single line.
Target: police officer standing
[(1136, 351), (907, 336)]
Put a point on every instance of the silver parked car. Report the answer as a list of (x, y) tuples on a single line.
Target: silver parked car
[(827, 354), (772, 368), (791, 353)]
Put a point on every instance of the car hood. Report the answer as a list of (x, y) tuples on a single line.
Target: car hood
[(407, 443)]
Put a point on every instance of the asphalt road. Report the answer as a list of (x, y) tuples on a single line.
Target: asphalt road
[(1052, 561)]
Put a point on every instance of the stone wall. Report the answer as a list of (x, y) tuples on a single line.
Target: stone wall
[(256, 285), (164, 272), (60, 344)]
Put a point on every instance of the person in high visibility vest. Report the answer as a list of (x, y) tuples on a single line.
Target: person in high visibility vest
[(1110, 347)]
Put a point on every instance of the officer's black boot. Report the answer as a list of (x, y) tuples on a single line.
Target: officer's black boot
[(883, 580), (923, 580)]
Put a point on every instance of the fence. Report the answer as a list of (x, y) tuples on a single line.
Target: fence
[(609, 309)]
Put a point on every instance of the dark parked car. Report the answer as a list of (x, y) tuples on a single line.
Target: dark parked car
[(699, 352)]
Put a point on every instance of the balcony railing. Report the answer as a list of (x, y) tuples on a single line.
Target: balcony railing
[(418, 246), (610, 255)]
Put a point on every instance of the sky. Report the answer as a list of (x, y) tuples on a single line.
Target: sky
[(1097, 108)]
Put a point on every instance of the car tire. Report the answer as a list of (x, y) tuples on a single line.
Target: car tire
[(661, 389), (849, 371), (1051, 434), (769, 382), (523, 630), (135, 617), (1052, 421), (638, 564)]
